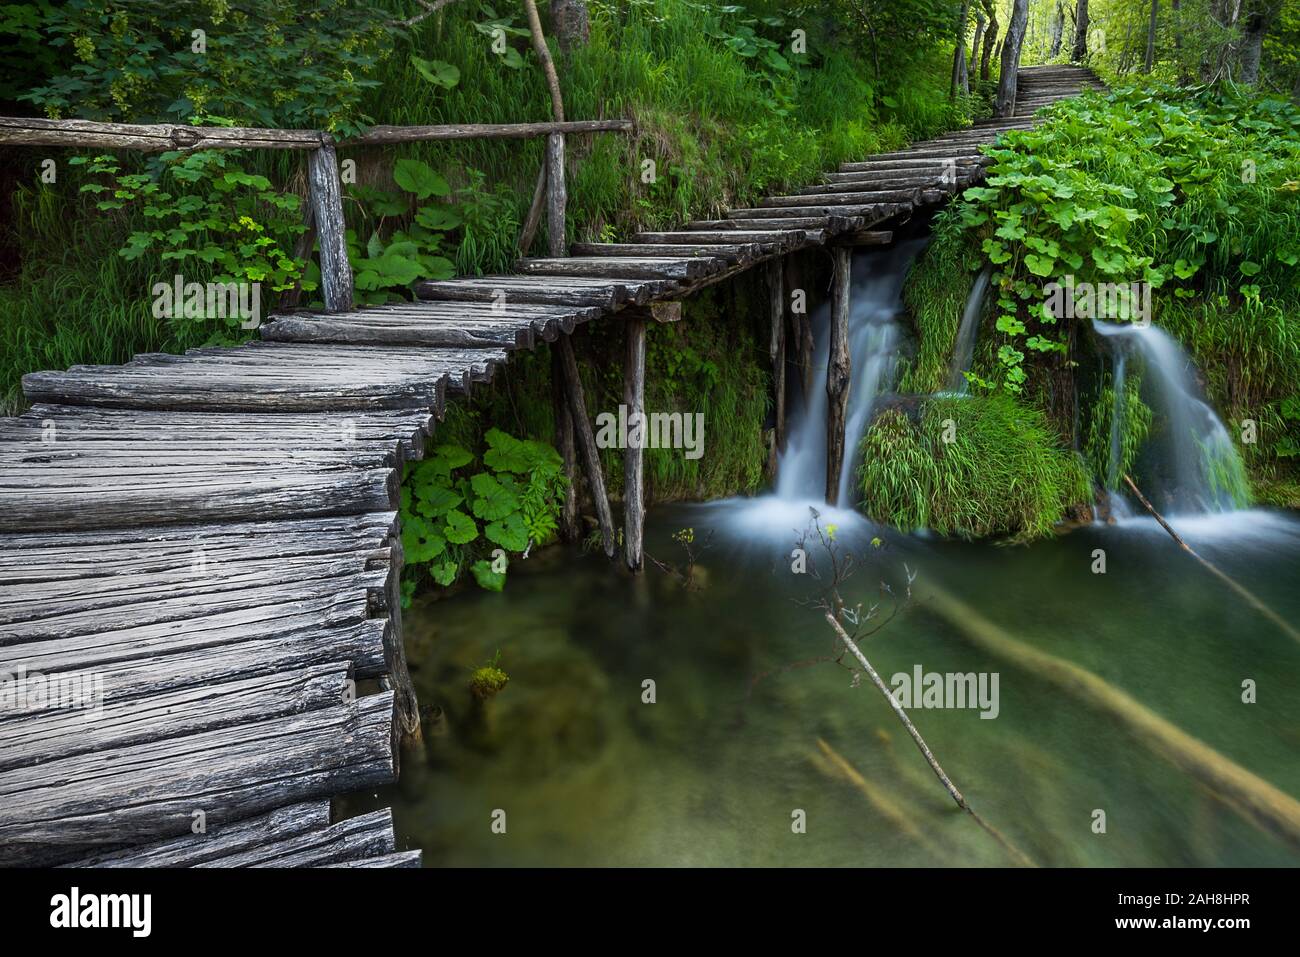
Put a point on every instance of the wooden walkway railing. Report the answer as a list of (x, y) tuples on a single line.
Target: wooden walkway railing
[(206, 545)]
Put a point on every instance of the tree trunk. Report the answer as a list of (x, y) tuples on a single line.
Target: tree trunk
[(571, 23), (989, 39), (960, 81), (1006, 103), (1258, 22), (1080, 51), (980, 23), (1058, 31), (1150, 61), (838, 374)]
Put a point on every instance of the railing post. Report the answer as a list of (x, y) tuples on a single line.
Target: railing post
[(327, 206), (557, 196)]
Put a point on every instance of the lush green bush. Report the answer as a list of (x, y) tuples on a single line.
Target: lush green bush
[(974, 467)]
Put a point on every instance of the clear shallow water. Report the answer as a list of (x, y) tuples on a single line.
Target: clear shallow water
[(709, 775)]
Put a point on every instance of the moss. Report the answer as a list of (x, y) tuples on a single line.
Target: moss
[(974, 468), (488, 680)]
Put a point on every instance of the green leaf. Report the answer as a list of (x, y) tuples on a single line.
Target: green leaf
[(1040, 265), (487, 578), (460, 528), (416, 176), (510, 533), (492, 500), (444, 573), (1249, 268), (439, 218), (437, 72)]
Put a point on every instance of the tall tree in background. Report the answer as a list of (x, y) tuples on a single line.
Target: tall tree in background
[(991, 8), (960, 76), (1259, 18), (1080, 51), (1011, 46), (1150, 60), (981, 22), (1058, 30)]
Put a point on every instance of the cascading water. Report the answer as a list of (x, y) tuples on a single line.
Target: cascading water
[(1192, 457), (967, 333), (1118, 504), (874, 340)]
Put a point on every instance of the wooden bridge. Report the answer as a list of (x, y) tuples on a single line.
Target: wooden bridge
[(200, 629)]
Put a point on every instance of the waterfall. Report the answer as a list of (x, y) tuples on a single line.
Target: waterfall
[(1192, 460), (1118, 504), (874, 340), (968, 332)]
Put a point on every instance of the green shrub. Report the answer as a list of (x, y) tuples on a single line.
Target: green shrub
[(975, 467)]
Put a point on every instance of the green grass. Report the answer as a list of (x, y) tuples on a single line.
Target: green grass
[(1004, 474)]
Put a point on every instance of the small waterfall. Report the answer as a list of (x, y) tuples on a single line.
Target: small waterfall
[(1118, 504), (874, 341), (1192, 459), (968, 332)]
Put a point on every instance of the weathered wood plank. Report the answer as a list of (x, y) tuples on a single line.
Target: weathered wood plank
[(60, 733), (680, 269), (150, 791), (634, 331), (355, 839), (219, 841), (838, 374), (400, 859)]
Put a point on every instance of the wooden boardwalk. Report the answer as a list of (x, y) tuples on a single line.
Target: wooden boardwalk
[(200, 634)]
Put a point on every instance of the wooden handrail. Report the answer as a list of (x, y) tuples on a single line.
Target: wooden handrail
[(158, 137)]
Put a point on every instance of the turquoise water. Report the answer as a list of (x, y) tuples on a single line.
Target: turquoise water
[(712, 772)]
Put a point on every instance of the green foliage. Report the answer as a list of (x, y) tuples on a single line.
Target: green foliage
[(457, 507), (1135, 426), (144, 62), (487, 680), (1003, 474), (1189, 191), (204, 216)]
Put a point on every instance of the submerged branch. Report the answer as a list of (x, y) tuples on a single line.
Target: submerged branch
[(1223, 576), (920, 741)]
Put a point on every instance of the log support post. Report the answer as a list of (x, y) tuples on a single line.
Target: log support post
[(327, 210), (407, 724), (564, 444), (801, 336), (776, 348), (586, 442), (634, 328), (557, 195), (837, 373)]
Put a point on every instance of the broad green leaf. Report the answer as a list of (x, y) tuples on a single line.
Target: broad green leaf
[(416, 176)]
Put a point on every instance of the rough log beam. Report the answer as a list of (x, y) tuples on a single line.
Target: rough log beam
[(776, 348), (327, 210), (586, 441), (634, 328), (837, 374)]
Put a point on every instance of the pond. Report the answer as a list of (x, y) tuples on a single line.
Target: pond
[(751, 755)]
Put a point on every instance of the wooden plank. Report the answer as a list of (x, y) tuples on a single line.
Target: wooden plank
[(395, 436), (856, 198), (400, 859), (783, 239), (217, 842), (60, 733), (284, 639), (732, 253), (679, 269), (355, 839), (151, 791), (776, 349), (516, 335), (605, 296), (873, 211)]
